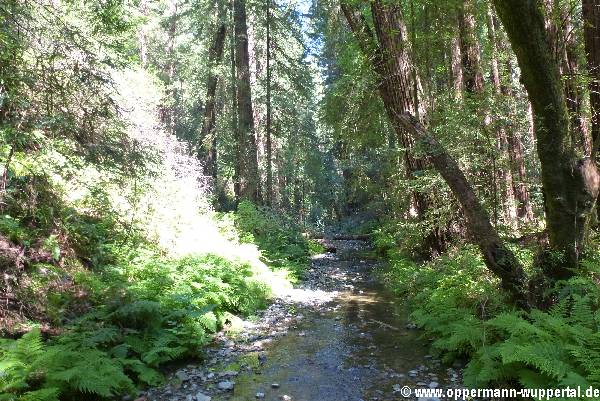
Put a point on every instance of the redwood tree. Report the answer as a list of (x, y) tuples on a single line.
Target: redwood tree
[(391, 59), (248, 181)]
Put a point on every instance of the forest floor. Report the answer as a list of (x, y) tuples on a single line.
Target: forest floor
[(338, 336)]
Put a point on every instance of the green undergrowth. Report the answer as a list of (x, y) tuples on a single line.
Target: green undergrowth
[(141, 311), (110, 276), (458, 303), (278, 236)]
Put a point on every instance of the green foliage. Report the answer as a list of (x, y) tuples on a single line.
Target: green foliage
[(278, 237), (457, 302), (32, 370), (154, 311)]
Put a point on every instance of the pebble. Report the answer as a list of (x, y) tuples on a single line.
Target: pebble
[(274, 322), (203, 397), (181, 375), (225, 385), (228, 373)]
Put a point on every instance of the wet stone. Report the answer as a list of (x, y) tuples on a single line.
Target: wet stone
[(182, 375), (203, 397), (337, 300), (225, 385)]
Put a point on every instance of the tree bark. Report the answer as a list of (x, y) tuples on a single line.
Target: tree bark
[(458, 82), (570, 185), (469, 47), (167, 111), (247, 159), (591, 32), (269, 197), (393, 63), (516, 152), (207, 133), (234, 104), (504, 170)]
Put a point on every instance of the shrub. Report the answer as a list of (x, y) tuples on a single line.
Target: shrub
[(278, 237)]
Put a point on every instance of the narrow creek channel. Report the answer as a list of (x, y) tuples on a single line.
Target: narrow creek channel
[(339, 336), (358, 346)]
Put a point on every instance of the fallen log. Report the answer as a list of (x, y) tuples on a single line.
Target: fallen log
[(340, 237)]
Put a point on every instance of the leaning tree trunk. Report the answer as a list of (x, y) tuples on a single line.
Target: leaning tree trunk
[(392, 61), (405, 89), (570, 185), (208, 134), (247, 153)]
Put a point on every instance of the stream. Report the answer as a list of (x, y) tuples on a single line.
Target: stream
[(338, 336)]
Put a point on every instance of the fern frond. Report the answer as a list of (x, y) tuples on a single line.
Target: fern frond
[(45, 394), (546, 357)]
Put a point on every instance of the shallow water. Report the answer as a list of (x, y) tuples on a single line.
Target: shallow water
[(356, 347)]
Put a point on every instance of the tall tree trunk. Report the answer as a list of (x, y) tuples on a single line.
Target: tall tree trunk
[(504, 170), (574, 92), (591, 33), (405, 89), (570, 185), (392, 61), (247, 160), (167, 111), (256, 70), (269, 194), (488, 176), (516, 152), (469, 47), (234, 104), (215, 56), (456, 68)]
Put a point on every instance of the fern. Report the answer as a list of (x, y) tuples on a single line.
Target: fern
[(45, 394), (15, 368), (87, 371), (457, 305)]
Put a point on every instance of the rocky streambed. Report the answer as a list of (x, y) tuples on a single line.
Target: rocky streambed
[(339, 336)]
